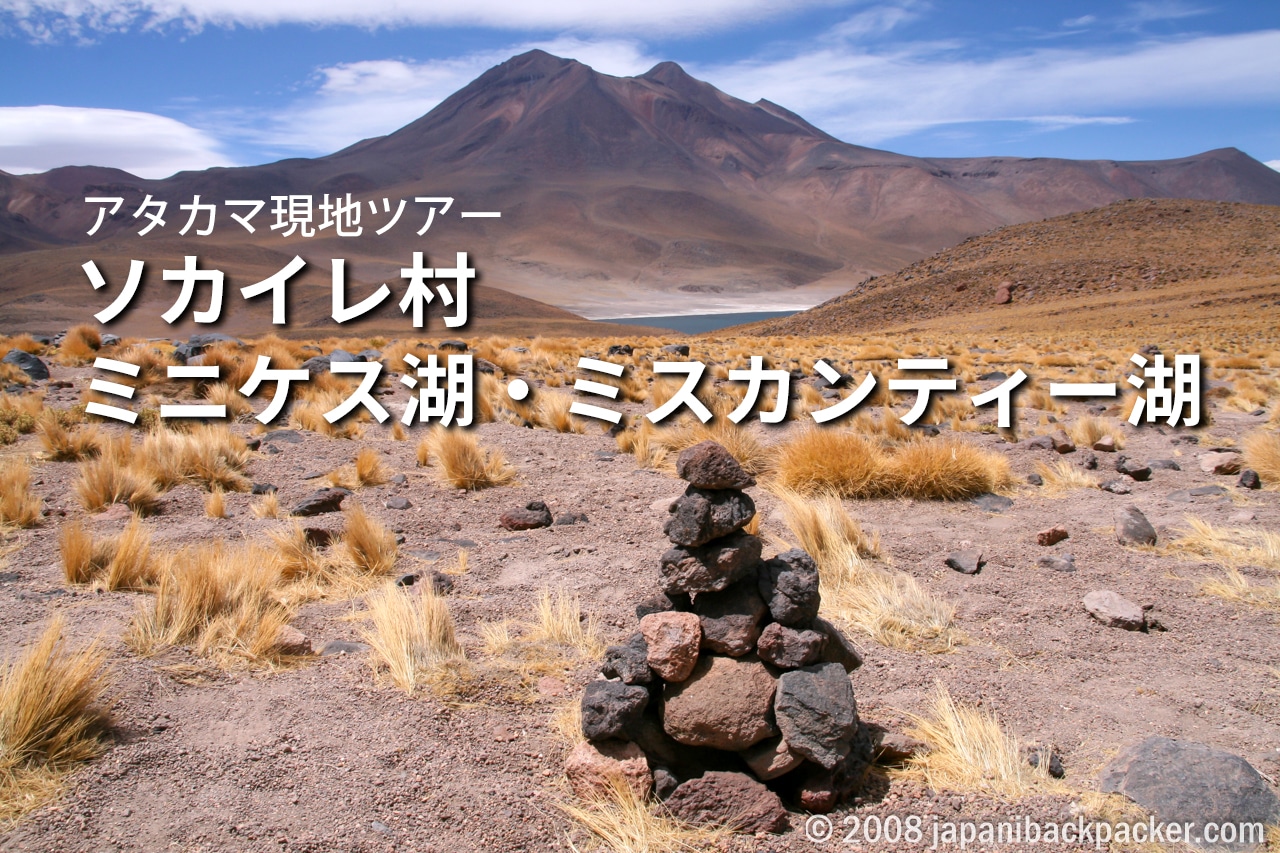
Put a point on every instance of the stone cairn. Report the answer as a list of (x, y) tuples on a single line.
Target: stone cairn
[(734, 696)]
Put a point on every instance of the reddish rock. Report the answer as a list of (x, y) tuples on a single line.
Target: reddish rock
[(788, 648), (1106, 444), (529, 517), (1052, 536), (729, 799), (672, 639), (727, 703), (594, 768), (708, 465), (1062, 443), (1004, 293), (771, 758), (1220, 463), (1114, 610), (291, 641)]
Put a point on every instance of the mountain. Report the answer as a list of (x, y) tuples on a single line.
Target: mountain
[(653, 194), (1129, 262)]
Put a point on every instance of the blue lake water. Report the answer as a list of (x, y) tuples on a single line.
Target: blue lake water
[(696, 324)]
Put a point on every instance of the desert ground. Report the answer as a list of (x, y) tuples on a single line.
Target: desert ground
[(228, 677)]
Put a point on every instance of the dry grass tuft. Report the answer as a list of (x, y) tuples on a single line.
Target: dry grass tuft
[(829, 461), (413, 638), (624, 822), (215, 504), (1089, 429), (218, 599), (67, 444), (80, 346), (464, 464), (1234, 549), (19, 506), (366, 470), (887, 605), (970, 752), (51, 718), (110, 479), (209, 455), (83, 557), (558, 620), (267, 507), (369, 545), (1062, 476), (130, 566), (945, 469), (1262, 454)]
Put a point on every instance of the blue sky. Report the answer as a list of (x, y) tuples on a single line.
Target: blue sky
[(154, 86)]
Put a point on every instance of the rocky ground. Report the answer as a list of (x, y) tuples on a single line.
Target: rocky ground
[(324, 756)]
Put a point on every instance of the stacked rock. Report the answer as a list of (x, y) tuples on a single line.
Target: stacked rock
[(734, 695)]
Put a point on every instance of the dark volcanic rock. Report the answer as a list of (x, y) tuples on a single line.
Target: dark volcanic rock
[(708, 465), (787, 648), (321, 501), (729, 799), (629, 661), (28, 364), (1132, 527), (609, 707), (1189, 782), (711, 567), (967, 562), (531, 516), (731, 619), (816, 712), (789, 584), (701, 515), (838, 648)]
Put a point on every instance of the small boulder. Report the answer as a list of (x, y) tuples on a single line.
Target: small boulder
[(771, 758), (594, 768), (29, 364), (1062, 443), (1106, 444), (531, 516), (676, 349), (731, 619), (1114, 611), (788, 648), (321, 501), (1220, 463), (837, 648), (967, 562), (672, 640), (708, 465), (711, 567), (291, 641), (1139, 471), (1116, 487), (629, 661), (1058, 563), (399, 502), (700, 515), (609, 707), (729, 799), (727, 703), (1132, 527), (990, 502), (816, 712), (1193, 783), (1052, 536), (1249, 479), (789, 585)]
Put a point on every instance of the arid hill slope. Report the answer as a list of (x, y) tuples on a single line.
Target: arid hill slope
[(1168, 255)]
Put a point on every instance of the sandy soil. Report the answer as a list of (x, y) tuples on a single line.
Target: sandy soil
[(324, 757)]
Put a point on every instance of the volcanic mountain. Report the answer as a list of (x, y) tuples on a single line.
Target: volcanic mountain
[(639, 195)]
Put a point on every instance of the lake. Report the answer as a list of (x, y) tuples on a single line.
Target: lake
[(696, 324)]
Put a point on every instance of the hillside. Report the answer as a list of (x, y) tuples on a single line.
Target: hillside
[(1154, 256)]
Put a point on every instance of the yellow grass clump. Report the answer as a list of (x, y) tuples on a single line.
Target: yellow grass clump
[(413, 638), (80, 345), (19, 506), (367, 469), (109, 479), (215, 504), (65, 443), (52, 718), (1257, 551), (1262, 454), (209, 455), (830, 461), (1089, 429), (218, 599), (369, 545), (1062, 476), (970, 751), (268, 506), (464, 464), (622, 821), (558, 620), (945, 469)]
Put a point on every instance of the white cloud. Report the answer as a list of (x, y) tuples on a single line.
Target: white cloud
[(868, 96), (48, 18), (35, 139), (358, 100), (1275, 164)]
